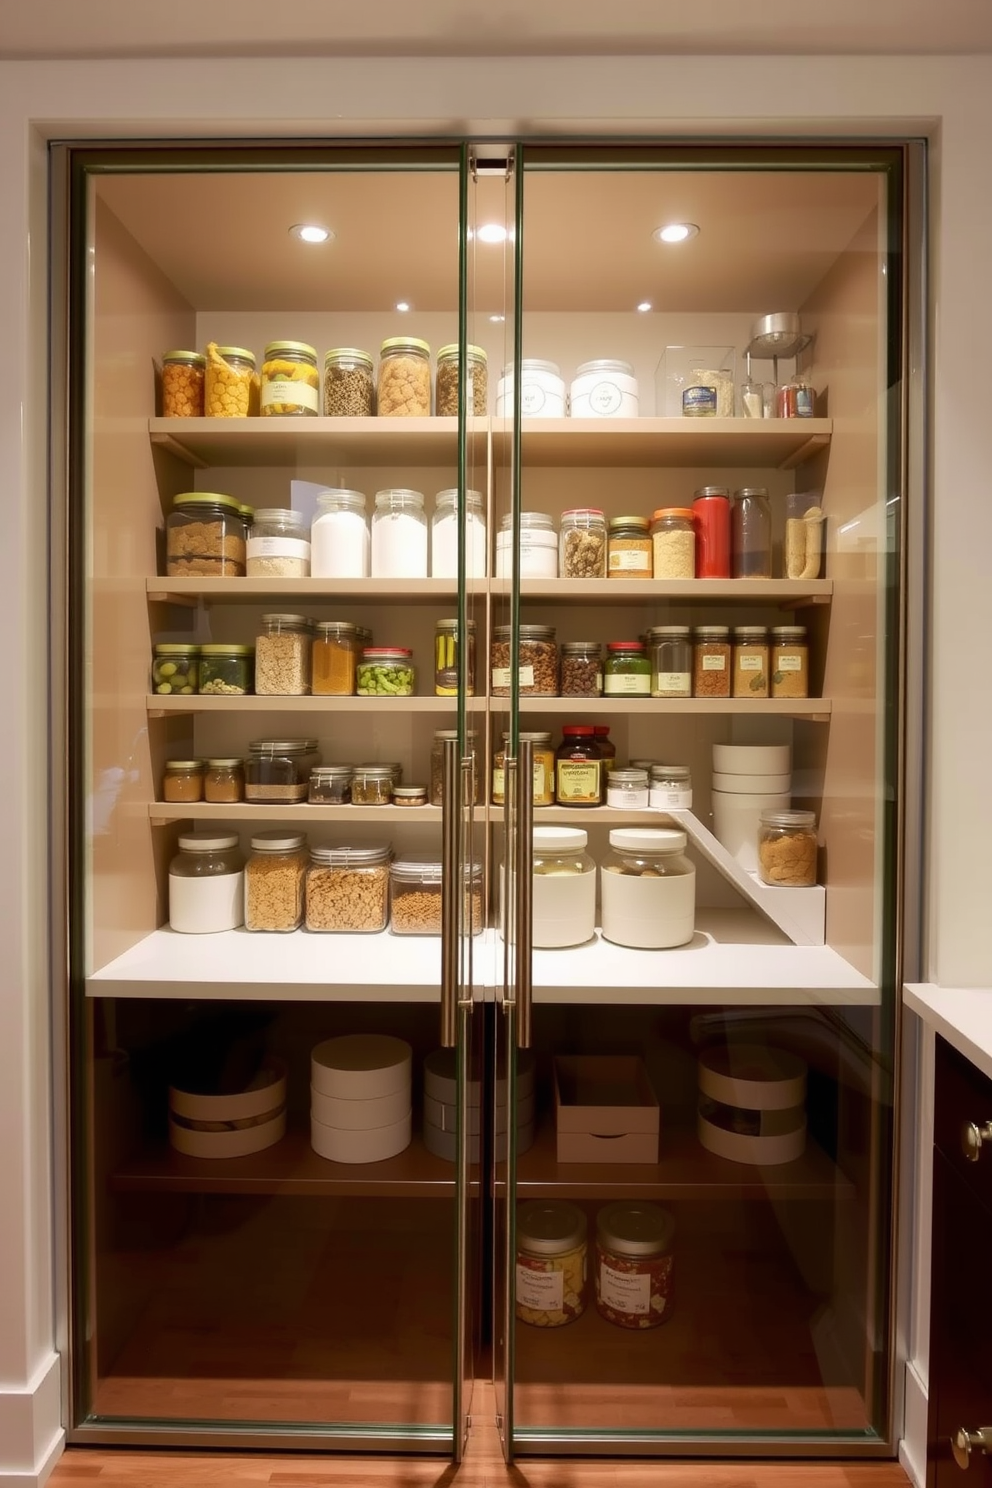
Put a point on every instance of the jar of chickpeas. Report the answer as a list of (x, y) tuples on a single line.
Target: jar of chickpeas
[(290, 380), (404, 387)]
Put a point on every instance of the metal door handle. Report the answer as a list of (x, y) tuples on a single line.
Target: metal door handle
[(963, 1442), (972, 1137), (524, 890), (450, 783)]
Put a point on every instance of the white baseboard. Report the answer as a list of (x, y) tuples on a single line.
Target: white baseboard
[(31, 1433), (913, 1446)]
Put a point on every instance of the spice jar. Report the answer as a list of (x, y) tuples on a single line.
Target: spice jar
[(711, 661), (751, 534), (230, 382), (674, 540), (750, 662), (175, 669), (224, 781), (671, 787), (290, 380), (607, 748), (634, 1264), (183, 375), (581, 669), (339, 537), (347, 889), (551, 1263), (476, 382), (333, 657), (330, 785), (404, 388), (787, 848), (711, 518), (274, 878), (277, 771), (399, 535), (409, 795), (348, 384), (385, 671), (542, 391), (544, 769), (789, 661), (182, 781), (206, 885), (415, 895), (671, 661), (648, 888), (279, 545), (604, 389), (446, 659), (372, 785), (627, 672), (205, 534), (225, 670), (582, 544), (564, 888), (578, 767), (444, 535), (627, 789), (437, 765), (630, 550), (282, 656), (537, 661), (538, 551)]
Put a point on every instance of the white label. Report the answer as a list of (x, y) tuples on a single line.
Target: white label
[(502, 676), (285, 390), (629, 683), (626, 797), (625, 1292), (543, 1291), (526, 676), (672, 795), (630, 560), (531, 398), (714, 663), (277, 547), (672, 684), (788, 663), (605, 398), (750, 664)]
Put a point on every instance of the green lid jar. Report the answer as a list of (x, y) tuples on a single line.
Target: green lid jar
[(175, 668), (404, 384), (290, 380), (205, 536)]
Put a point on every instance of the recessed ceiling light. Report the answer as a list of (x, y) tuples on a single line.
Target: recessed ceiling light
[(311, 232), (403, 305), (644, 305), (675, 232), (491, 232), (497, 319)]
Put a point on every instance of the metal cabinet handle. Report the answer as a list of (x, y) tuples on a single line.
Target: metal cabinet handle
[(450, 783), (972, 1137), (963, 1442), (524, 890)]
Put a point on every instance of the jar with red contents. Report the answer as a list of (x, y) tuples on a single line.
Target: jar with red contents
[(634, 1264), (711, 518)]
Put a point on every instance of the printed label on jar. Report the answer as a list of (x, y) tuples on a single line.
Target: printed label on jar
[(630, 560), (750, 663), (699, 400), (277, 547), (544, 1291), (624, 1291), (285, 390), (625, 797), (789, 663), (604, 398), (532, 397), (578, 780), (499, 785), (714, 663), (628, 684), (673, 684), (672, 796)]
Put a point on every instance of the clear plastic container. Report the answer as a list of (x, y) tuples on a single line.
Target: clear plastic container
[(627, 790), (205, 535), (340, 545), (581, 669), (788, 661), (279, 545), (582, 544), (634, 1264), (282, 656), (604, 389), (224, 781), (542, 390), (564, 887), (330, 785), (671, 661), (671, 787), (787, 848), (648, 888), (537, 660), (751, 534), (404, 385), (415, 894), (399, 535), (277, 771), (175, 669), (673, 535), (372, 785), (446, 659), (385, 671), (627, 670), (206, 885), (630, 550), (231, 382), (349, 385), (711, 661), (183, 377), (444, 535), (750, 662), (226, 670), (347, 889), (551, 1264), (182, 781), (477, 382), (538, 547), (290, 383), (274, 878)]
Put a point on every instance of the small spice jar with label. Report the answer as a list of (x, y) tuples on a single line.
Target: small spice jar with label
[(224, 781), (750, 662), (290, 380), (671, 661), (544, 769), (551, 1266), (627, 672), (175, 669), (627, 789), (446, 659), (183, 375), (409, 795), (630, 551), (330, 785), (537, 661), (348, 383), (581, 669), (711, 661), (225, 670), (578, 767), (634, 1264), (674, 538), (789, 661), (282, 656), (582, 544), (333, 658), (182, 781), (274, 878), (671, 787), (448, 379), (787, 848)]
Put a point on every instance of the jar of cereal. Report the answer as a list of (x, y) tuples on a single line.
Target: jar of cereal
[(404, 389), (551, 1269), (274, 876)]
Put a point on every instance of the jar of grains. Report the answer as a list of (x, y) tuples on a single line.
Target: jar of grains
[(333, 658), (630, 548), (578, 767), (183, 374), (205, 534), (437, 765), (711, 661), (648, 889), (671, 787), (537, 661), (175, 668), (279, 545), (789, 661), (627, 789), (542, 390), (277, 771), (230, 384), (538, 551), (385, 671), (787, 848), (476, 382), (582, 544), (399, 535), (330, 785), (224, 781), (604, 389), (274, 877), (404, 388), (372, 785), (206, 885), (750, 662), (634, 1264), (225, 670), (551, 1265), (446, 651), (290, 380), (339, 537), (627, 672), (751, 534), (543, 757), (444, 535), (415, 898), (581, 669), (674, 538), (671, 661), (282, 656), (347, 888), (348, 383), (182, 781)]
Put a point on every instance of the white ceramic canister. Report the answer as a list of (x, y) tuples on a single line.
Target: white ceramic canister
[(538, 547), (339, 536), (206, 885), (564, 887), (444, 536), (648, 888), (399, 535), (542, 390), (604, 389), (736, 819)]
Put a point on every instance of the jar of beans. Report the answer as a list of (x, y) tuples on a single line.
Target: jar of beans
[(348, 384), (711, 661), (581, 669)]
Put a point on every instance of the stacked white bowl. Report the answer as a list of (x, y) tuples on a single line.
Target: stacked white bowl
[(747, 780), (441, 1107), (360, 1097), (231, 1125)]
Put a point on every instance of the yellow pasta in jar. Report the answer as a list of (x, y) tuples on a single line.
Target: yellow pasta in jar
[(290, 380), (230, 377)]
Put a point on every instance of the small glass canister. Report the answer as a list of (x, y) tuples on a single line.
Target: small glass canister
[(789, 662), (333, 659), (182, 781), (340, 544), (348, 383), (277, 771), (347, 889), (787, 848), (711, 661), (206, 885), (750, 662), (751, 534), (330, 785), (282, 656), (437, 765), (279, 544), (225, 670), (183, 376), (224, 781), (551, 1265), (409, 795), (582, 544), (544, 769), (627, 672), (446, 659), (274, 878), (671, 661), (175, 669), (231, 382), (385, 671), (537, 661), (673, 535), (671, 787), (205, 534), (290, 380), (630, 552), (627, 790), (404, 386), (581, 669), (372, 785), (634, 1264), (415, 895), (476, 384)]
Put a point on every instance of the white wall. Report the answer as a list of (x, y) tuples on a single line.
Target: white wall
[(947, 97)]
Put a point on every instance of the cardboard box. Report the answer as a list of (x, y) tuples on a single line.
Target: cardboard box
[(606, 1110)]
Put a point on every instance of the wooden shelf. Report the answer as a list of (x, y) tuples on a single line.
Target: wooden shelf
[(671, 442), (188, 590), (788, 593), (161, 812), (203, 442), (815, 710), (158, 707)]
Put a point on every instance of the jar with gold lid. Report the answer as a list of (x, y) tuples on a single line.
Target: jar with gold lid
[(290, 380), (551, 1263)]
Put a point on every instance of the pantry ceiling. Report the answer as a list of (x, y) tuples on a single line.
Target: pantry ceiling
[(766, 238)]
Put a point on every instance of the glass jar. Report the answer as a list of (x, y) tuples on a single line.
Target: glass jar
[(648, 889), (717, 381), (542, 390), (282, 656), (582, 544), (372, 785), (604, 389), (671, 661), (340, 545), (627, 672), (247, 516), (751, 534), (230, 387), (444, 535), (347, 889), (711, 661), (348, 383), (796, 398), (385, 671), (630, 550), (476, 382), (205, 534), (279, 545), (182, 781), (787, 848), (206, 885), (788, 662), (551, 1263), (404, 388), (538, 554), (437, 765), (224, 781), (674, 538), (544, 769), (581, 669), (333, 658), (634, 1264), (537, 661), (564, 888), (750, 662), (277, 771), (225, 670), (446, 659), (578, 767), (274, 878), (290, 380), (711, 519), (399, 535), (175, 669), (416, 894), (330, 785), (183, 376), (627, 790), (607, 748), (409, 795), (671, 787)]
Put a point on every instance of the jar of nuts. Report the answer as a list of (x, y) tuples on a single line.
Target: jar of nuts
[(537, 661), (225, 671), (183, 374), (348, 387), (231, 382), (550, 1279), (274, 877), (581, 669), (476, 381), (347, 889), (290, 380), (404, 388), (582, 540)]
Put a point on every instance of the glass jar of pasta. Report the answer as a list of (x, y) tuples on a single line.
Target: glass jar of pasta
[(404, 387), (183, 374), (551, 1269), (230, 387), (290, 380)]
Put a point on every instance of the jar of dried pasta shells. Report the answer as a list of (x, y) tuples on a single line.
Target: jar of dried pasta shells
[(551, 1269)]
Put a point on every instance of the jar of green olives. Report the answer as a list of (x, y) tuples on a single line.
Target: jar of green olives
[(226, 669), (175, 668)]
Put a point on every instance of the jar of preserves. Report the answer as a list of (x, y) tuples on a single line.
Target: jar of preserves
[(446, 659), (711, 518), (282, 656), (627, 672), (290, 380), (224, 781), (544, 769), (277, 771), (279, 545), (330, 785), (551, 1263), (205, 534), (542, 390), (671, 787), (399, 535), (604, 389), (415, 896), (582, 544), (787, 848), (578, 767), (372, 785), (347, 889), (630, 550), (444, 535), (175, 669), (711, 661), (564, 888), (340, 545), (673, 536), (476, 382), (750, 662), (333, 659), (274, 878), (751, 534), (225, 670), (627, 789), (538, 553), (409, 795), (634, 1263), (404, 387), (437, 765), (183, 376), (537, 661), (182, 781), (230, 387), (581, 669), (789, 661), (348, 383), (206, 885), (648, 889), (385, 671), (671, 661)]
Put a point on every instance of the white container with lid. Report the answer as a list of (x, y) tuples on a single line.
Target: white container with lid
[(752, 1103), (399, 535), (338, 1144), (648, 888), (564, 889), (752, 759), (538, 547), (671, 787), (361, 1066), (359, 1115), (339, 536), (604, 389), (542, 390), (444, 536), (206, 885)]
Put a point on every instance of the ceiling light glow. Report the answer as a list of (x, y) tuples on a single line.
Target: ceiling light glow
[(403, 305), (675, 232), (644, 306), (311, 232), (491, 232), (497, 319)]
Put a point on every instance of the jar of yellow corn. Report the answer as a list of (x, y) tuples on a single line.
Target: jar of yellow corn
[(290, 379), (231, 382)]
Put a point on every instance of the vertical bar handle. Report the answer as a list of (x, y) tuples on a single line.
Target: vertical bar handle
[(524, 890), (450, 803)]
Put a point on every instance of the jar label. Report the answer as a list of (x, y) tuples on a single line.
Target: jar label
[(543, 1291), (499, 785), (502, 676), (632, 798), (714, 663), (604, 398), (673, 684), (630, 560), (532, 397), (627, 684), (578, 781), (699, 399), (277, 547), (674, 796), (625, 1291), (789, 663), (750, 663), (285, 390)]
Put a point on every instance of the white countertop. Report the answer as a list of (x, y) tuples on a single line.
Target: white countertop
[(961, 1015)]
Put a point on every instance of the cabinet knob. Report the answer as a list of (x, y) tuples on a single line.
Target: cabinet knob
[(972, 1137), (963, 1441)]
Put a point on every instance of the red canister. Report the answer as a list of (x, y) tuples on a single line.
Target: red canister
[(711, 518)]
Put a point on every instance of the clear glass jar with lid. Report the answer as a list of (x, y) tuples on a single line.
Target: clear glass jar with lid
[(671, 661), (182, 781), (582, 543), (788, 661), (673, 535), (347, 889), (372, 785), (476, 382), (446, 660), (385, 671), (175, 668), (399, 535), (630, 552), (634, 1264), (444, 535), (627, 789), (205, 534), (604, 389), (711, 661), (279, 544), (183, 377), (787, 848), (544, 769), (282, 656), (206, 884), (671, 787), (648, 888), (230, 383), (404, 385), (751, 534), (340, 545), (564, 888), (437, 765), (226, 670), (538, 552), (290, 383), (581, 669), (348, 383), (274, 877), (330, 785), (542, 390), (277, 771), (551, 1265), (537, 661), (333, 658), (224, 780), (415, 895), (627, 672), (750, 661)]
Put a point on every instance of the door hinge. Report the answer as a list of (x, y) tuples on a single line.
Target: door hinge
[(496, 161)]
